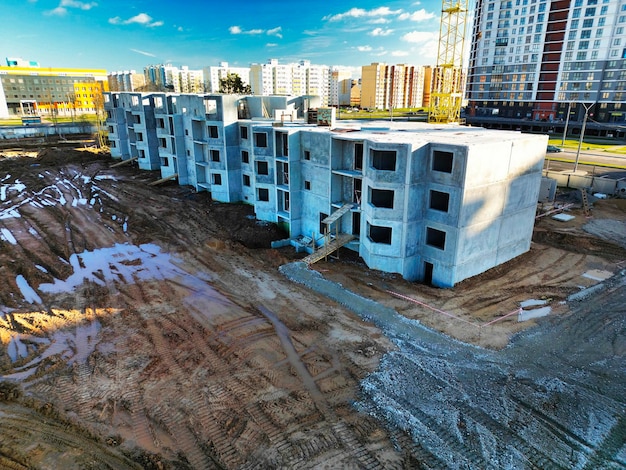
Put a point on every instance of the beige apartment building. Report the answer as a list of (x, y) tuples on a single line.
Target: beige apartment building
[(393, 86)]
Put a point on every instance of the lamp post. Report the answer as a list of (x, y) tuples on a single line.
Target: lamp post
[(582, 134), (569, 109)]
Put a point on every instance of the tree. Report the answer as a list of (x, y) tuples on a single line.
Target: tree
[(233, 84)]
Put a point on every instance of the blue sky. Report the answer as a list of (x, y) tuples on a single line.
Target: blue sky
[(122, 35)]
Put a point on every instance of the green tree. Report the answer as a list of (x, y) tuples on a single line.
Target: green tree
[(232, 84)]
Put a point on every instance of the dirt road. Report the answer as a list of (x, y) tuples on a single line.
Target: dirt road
[(148, 327)]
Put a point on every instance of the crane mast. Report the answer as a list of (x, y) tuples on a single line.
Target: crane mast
[(447, 79)]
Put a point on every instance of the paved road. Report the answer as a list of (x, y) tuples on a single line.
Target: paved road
[(594, 162)]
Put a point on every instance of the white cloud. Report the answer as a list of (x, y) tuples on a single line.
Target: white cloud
[(364, 48), (77, 4), (61, 10), (419, 15), (419, 37), (380, 32), (271, 44), (361, 13), (142, 19), (149, 54), (400, 53), (278, 32), (379, 21)]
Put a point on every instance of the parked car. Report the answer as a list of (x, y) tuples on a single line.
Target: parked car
[(553, 149)]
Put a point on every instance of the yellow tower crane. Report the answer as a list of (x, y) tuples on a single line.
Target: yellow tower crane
[(447, 79)]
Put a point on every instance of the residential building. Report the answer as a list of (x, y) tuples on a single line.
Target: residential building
[(341, 84), (127, 80), (178, 80), (536, 65), (434, 203), (393, 86), (293, 79), (213, 76), (26, 89)]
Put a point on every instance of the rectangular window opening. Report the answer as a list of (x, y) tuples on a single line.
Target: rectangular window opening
[(439, 200), (442, 161), (260, 139), (379, 234), (262, 168), (381, 198), (436, 238), (263, 194), (384, 160)]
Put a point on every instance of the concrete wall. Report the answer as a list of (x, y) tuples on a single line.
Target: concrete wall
[(595, 184), (43, 130)]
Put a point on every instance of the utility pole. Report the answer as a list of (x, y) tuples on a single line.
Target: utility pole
[(582, 134), (569, 109)]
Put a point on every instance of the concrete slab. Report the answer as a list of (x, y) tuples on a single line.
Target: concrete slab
[(597, 274), (563, 217)]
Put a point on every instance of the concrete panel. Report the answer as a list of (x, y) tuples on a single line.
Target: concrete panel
[(528, 154), (318, 146), (522, 192), (412, 238), (447, 255), (394, 250), (580, 181), (604, 185), (487, 163), (457, 176), (381, 262), (474, 266), (547, 190), (482, 203), (478, 241)]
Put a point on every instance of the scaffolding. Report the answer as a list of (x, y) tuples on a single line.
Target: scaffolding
[(447, 81)]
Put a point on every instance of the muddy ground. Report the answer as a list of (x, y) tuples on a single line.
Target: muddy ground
[(148, 327)]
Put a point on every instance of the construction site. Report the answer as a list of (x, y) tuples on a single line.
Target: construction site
[(147, 326)]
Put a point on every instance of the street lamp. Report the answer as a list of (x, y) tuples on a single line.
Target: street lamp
[(569, 109), (582, 134)]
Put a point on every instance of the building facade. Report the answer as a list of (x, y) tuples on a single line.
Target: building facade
[(28, 89), (178, 80), (213, 75), (393, 86), (436, 204), (127, 80), (546, 62), (293, 79)]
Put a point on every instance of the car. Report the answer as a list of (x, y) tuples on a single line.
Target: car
[(553, 149)]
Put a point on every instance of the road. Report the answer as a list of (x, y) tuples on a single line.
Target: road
[(595, 162)]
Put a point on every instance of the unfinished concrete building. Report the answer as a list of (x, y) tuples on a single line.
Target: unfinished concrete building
[(437, 204)]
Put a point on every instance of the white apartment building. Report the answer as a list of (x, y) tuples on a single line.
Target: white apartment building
[(296, 79), (213, 75), (340, 87), (179, 80), (127, 80)]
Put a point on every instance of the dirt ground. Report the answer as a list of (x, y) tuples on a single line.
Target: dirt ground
[(148, 327)]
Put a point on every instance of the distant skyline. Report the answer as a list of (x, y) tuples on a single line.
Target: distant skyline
[(120, 35)]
